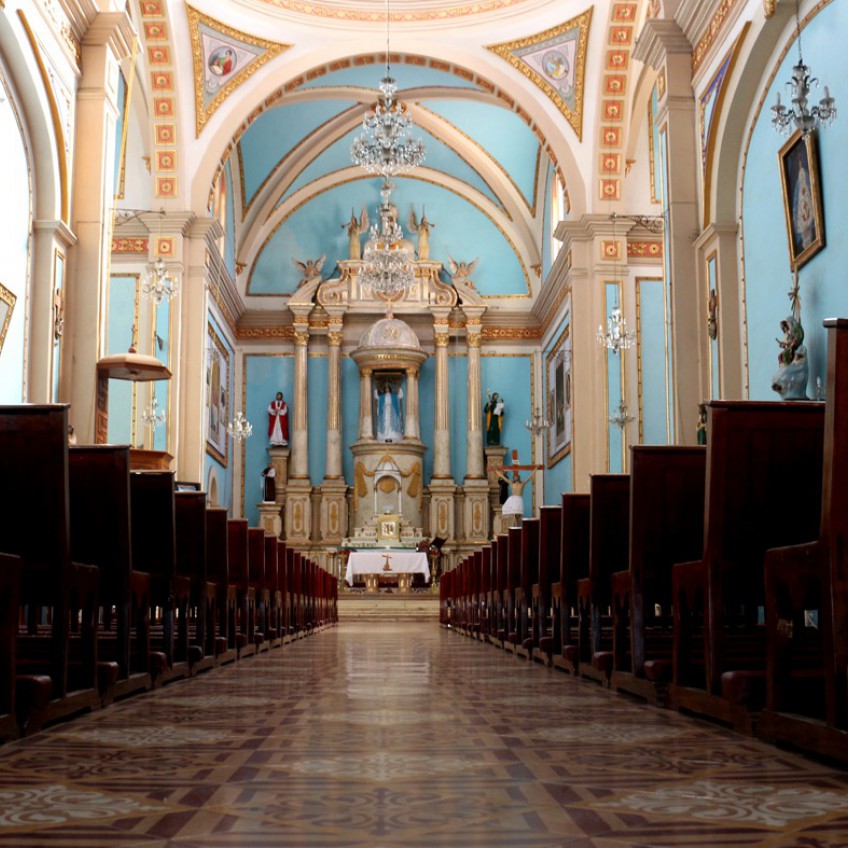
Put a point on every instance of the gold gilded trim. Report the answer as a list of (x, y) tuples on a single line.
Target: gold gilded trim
[(271, 48), (504, 50), (712, 32)]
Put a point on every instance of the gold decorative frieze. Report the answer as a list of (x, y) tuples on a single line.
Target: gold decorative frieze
[(130, 245), (643, 248), (264, 332), (511, 333), (709, 38)]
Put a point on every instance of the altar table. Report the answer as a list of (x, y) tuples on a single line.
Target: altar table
[(374, 562)]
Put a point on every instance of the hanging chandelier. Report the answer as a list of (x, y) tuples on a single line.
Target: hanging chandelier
[(385, 147), (240, 428), (799, 115), (622, 417), (153, 416), (158, 283), (616, 337), (537, 423), (387, 270)]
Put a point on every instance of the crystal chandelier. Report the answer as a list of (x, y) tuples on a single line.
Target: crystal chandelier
[(384, 147), (617, 337), (387, 270), (798, 115), (622, 418), (153, 416), (157, 284), (240, 428), (537, 423)]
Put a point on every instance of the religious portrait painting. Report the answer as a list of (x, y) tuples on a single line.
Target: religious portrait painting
[(217, 395), (558, 392), (7, 304), (802, 198)]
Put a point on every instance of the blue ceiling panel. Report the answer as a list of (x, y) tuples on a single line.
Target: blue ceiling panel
[(502, 133), (274, 133)]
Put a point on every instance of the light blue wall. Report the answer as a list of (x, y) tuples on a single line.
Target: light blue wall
[(274, 133), (652, 360), (461, 231), (122, 295), (511, 377), (768, 277), (264, 376), (501, 133), (14, 239)]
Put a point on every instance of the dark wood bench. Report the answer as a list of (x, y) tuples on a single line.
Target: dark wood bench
[(237, 551), (763, 489), (666, 527), (529, 577), (223, 629), (56, 644), (484, 592), (100, 528), (609, 525), (573, 567), (807, 597), (512, 588), (10, 584), (499, 609), (550, 532), (258, 586)]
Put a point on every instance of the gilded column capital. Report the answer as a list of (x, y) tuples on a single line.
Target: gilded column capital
[(301, 338), (442, 340), (474, 340), (334, 337)]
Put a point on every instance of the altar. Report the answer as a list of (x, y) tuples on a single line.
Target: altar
[(374, 564)]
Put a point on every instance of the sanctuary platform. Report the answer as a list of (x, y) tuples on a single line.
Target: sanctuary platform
[(400, 606)]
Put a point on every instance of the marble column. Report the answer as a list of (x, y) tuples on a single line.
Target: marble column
[(332, 509), (106, 42), (411, 429), (300, 422), (441, 435), (474, 467), (366, 423)]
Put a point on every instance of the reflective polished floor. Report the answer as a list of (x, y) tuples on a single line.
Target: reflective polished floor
[(405, 736)]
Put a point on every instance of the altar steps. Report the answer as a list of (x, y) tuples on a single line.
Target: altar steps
[(413, 606)]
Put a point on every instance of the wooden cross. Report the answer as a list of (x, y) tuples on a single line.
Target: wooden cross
[(516, 467)]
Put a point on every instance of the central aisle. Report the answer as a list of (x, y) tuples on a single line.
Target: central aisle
[(404, 736)]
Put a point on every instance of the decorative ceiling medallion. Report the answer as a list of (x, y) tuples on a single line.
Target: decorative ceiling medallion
[(554, 60), (223, 59)]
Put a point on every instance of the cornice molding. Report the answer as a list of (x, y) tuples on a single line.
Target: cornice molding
[(658, 39)]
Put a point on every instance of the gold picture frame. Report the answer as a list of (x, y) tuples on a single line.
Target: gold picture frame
[(7, 306), (802, 198), (559, 397), (217, 396)]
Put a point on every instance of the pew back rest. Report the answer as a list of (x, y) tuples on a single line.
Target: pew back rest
[(609, 531), (574, 542), (153, 522), (529, 554), (99, 487), (217, 563), (513, 568), (237, 551), (190, 509), (550, 530)]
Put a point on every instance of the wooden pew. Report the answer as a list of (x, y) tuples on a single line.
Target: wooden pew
[(499, 598), (609, 522), (291, 597), (100, 528), (512, 588), (56, 657), (226, 593), (666, 527), (445, 599), (277, 626), (529, 576), (258, 586), (807, 669), (484, 592), (192, 568), (573, 566), (10, 584), (154, 551), (763, 490), (550, 532), (237, 552)]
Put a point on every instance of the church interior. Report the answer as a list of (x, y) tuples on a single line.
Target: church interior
[(494, 346)]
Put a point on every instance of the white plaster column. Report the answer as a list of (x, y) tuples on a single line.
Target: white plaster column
[(411, 424), (300, 423), (663, 45), (441, 434), (48, 239), (366, 423), (334, 402), (474, 435), (187, 406), (106, 41)]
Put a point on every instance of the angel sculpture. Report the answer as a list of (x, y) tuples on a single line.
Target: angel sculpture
[(355, 227), (462, 271), (423, 228), (309, 269)]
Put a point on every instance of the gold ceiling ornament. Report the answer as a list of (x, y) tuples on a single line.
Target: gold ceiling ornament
[(224, 58), (555, 61), (769, 7)]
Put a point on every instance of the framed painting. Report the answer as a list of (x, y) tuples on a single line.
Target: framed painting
[(802, 199), (217, 396), (7, 304), (558, 391)]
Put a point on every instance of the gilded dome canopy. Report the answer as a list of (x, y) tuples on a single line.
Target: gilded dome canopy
[(390, 333)]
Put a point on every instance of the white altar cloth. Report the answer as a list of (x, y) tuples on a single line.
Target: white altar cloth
[(373, 562)]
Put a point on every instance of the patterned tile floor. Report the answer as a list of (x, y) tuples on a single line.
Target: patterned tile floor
[(397, 735)]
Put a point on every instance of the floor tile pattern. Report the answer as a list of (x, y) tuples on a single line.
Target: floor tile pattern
[(403, 735)]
